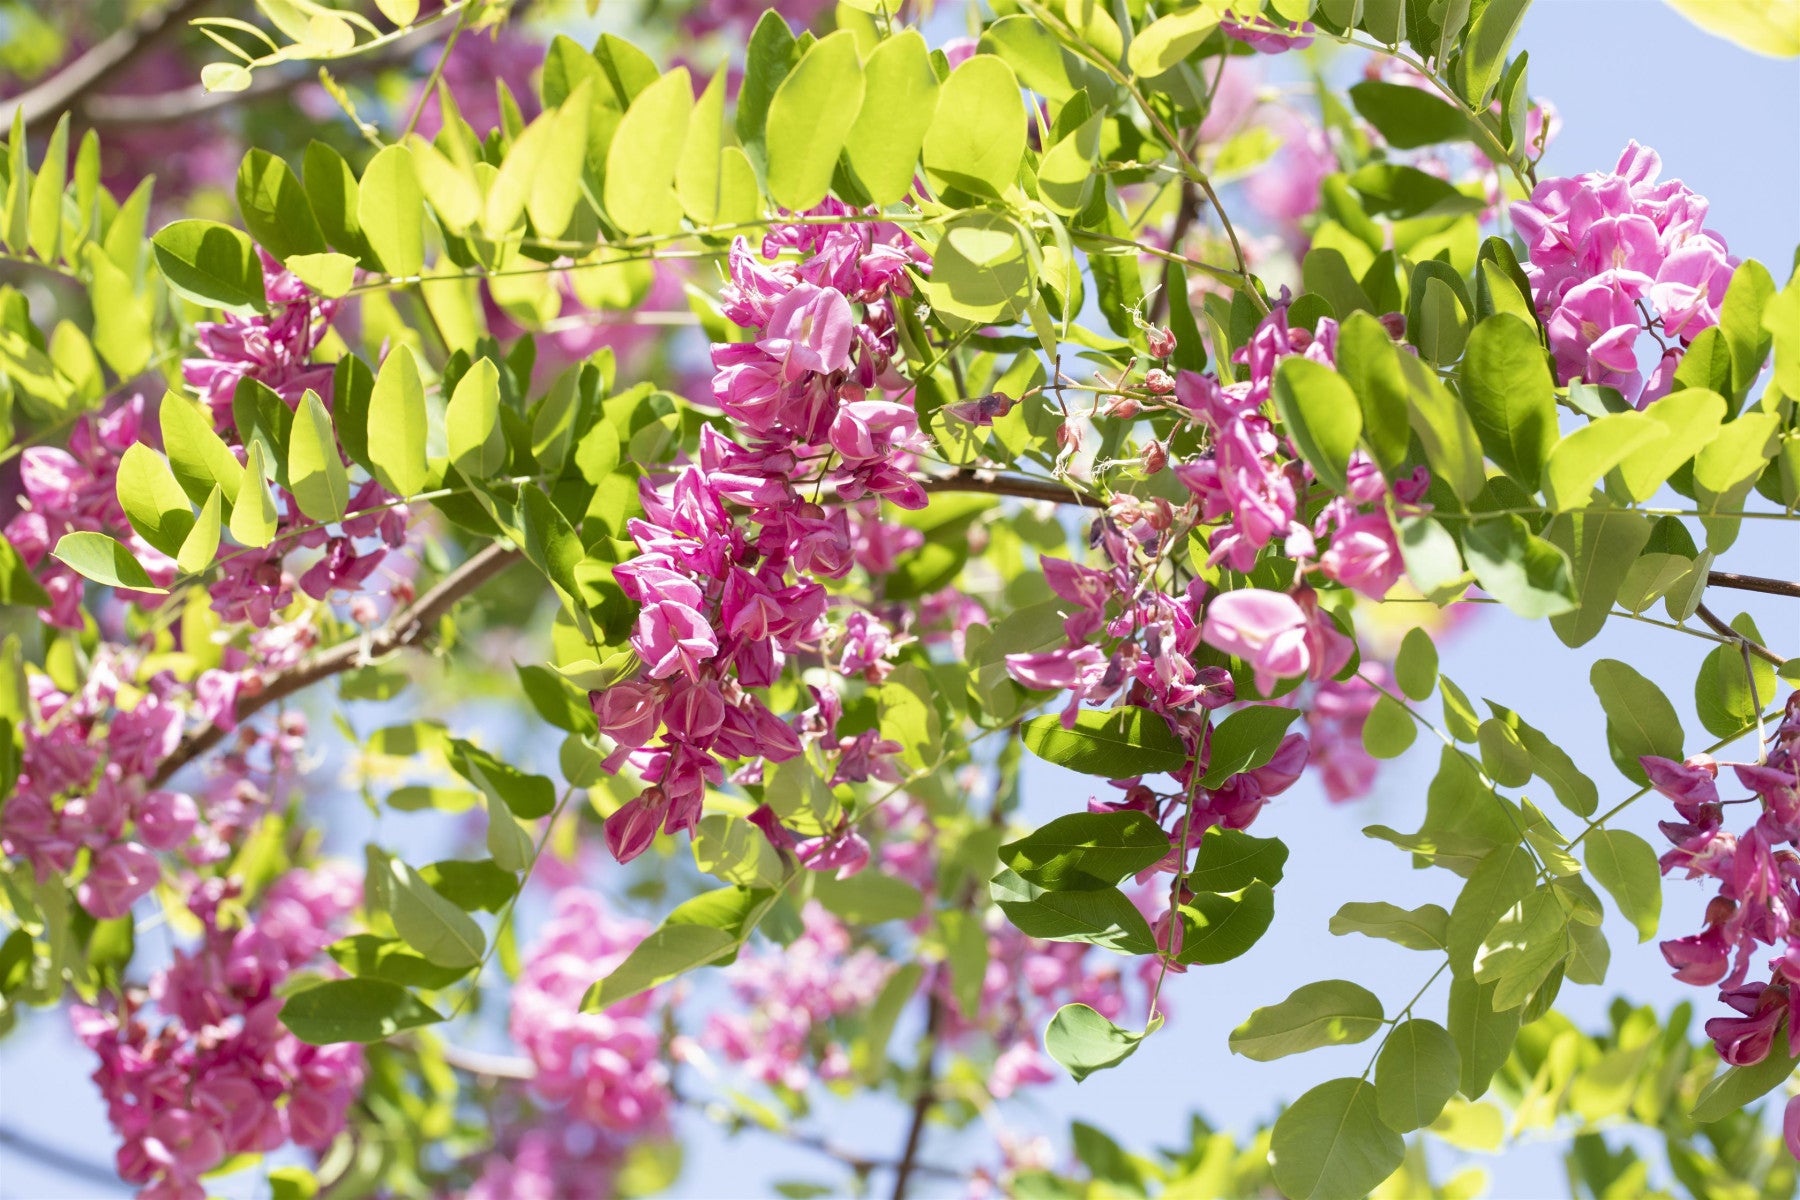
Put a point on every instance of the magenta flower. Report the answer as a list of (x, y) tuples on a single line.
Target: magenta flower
[(809, 330), (1268, 630)]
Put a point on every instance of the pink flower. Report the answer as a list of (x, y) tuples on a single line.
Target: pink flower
[(121, 874), (1268, 630), (809, 330)]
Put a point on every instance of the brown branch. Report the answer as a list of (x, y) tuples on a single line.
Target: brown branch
[(1752, 583), (1185, 211), (408, 627), (908, 1166), (1003, 485), (103, 61), (1726, 631)]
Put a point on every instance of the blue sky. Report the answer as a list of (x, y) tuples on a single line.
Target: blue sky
[(1726, 122)]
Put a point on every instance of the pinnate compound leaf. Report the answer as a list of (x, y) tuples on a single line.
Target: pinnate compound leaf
[(1416, 1074), (1083, 1041), (354, 1010), (1334, 1012), (1117, 743), (1331, 1143)]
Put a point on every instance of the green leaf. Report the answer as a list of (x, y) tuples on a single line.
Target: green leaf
[(526, 795), (316, 473), (1579, 460), (646, 149), (1452, 448), (1510, 395), (1229, 860), (707, 929), (46, 213), (1118, 743), (1484, 1036), (1389, 730), (198, 456), (869, 898), (471, 886), (1639, 718), (909, 716), (1503, 753), (429, 923), (330, 275), (1407, 117), (1504, 877), (390, 212), (1246, 740), (1727, 697), (868, 1056), (556, 189), (1416, 665), (18, 586), (333, 191), (1692, 417), (1368, 359), (477, 442), (1423, 928), (733, 850), (1530, 940), (1489, 37), (1083, 1041), (1739, 1087), (1331, 1143), (354, 1010), (370, 957), (97, 557), (397, 426), (1602, 542), (1416, 1075), (1320, 415), (1625, 865), (810, 117), (253, 513), (982, 273), (153, 501), (1521, 570), (1166, 41), (1216, 929), (201, 545), (275, 208), (211, 264), (976, 140), (1102, 917), (963, 938), (1086, 850), (1551, 763), (1395, 190), (900, 98), (1432, 558), (1332, 1013)]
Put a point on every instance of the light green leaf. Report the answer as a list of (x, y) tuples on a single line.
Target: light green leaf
[(733, 850), (316, 474), (1320, 415), (1102, 917), (1523, 571), (1083, 1041), (1625, 865), (1602, 542), (1416, 1074), (1738, 1087), (1331, 1143), (1230, 860), (977, 136), (1370, 361), (1246, 740), (153, 501), (390, 212), (1504, 877), (1530, 940), (1216, 929), (1332, 1013), (275, 208), (1389, 730), (1086, 850), (1166, 41), (900, 99), (640, 164), (472, 427), (810, 116), (1423, 928), (46, 215), (707, 929), (97, 557), (1416, 665), (1484, 1036), (1639, 718), (397, 428), (253, 514), (1452, 448), (1692, 417), (330, 275), (1579, 460)]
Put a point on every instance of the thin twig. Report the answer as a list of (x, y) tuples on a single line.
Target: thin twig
[(1752, 583), (922, 1103), (406, 628), (1005, 485)]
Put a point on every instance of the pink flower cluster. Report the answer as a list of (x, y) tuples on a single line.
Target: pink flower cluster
[(731, 554), (606, 1068), (1616, 255), (1758, 902), (276, 350), (782, 1035), (76, 491), (198, 1067)]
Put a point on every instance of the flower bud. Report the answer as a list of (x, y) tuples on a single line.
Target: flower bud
[(1155, 459), (1720, 909), (1158, 381), (1125, 407), (1160, 340), (1395, 324)]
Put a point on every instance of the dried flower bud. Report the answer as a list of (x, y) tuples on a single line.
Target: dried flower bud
[(1160, 340), (1121, 406), (1158, 381), (1155, 459)]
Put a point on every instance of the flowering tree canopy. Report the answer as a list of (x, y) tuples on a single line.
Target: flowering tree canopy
[(679, 489)]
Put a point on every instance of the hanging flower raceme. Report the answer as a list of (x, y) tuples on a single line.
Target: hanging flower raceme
[(733, 552), (1758, 900), (1615, 256), (198, 1068)]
